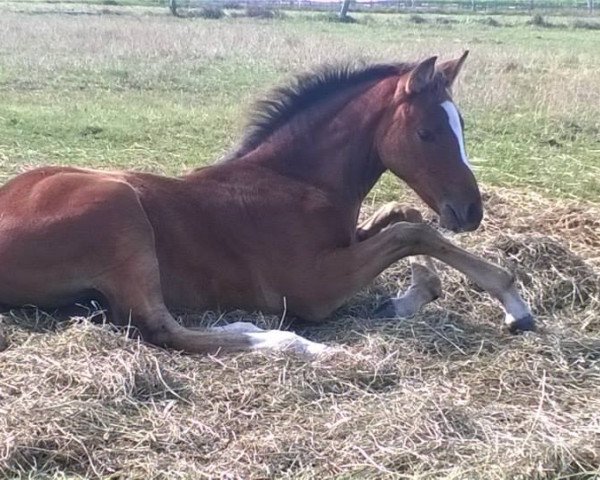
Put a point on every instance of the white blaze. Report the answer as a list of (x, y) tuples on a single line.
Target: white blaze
[(454, 120)]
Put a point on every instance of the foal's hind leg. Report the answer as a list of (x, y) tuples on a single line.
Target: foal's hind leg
[(425, 284), (134, 295), (127, 275)]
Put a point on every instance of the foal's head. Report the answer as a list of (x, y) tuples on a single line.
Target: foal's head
[(421, 141)]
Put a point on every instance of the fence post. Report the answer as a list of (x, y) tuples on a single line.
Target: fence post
[(344, 9), (173, 7)]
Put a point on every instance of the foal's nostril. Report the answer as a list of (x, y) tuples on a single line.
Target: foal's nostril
[(460, 217), (455, 216), (449, 219), (474, 214)]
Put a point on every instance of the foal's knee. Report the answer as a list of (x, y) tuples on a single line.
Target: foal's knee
[(414, 234), (397, 212)]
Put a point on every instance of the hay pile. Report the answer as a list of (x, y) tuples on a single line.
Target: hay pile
[(447, 394)]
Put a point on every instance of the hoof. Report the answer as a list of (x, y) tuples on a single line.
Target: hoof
[(524, 324), (406, 307), (401, 307), (386, 310)]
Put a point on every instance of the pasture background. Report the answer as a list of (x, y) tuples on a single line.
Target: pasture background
[(447, 394)]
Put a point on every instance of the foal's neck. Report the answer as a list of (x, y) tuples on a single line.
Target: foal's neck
[(331, 145)]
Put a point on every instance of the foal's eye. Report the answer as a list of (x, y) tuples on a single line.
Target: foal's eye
[(426, 135)]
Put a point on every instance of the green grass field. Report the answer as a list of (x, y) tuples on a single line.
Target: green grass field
[(447, 394), (160, 93)]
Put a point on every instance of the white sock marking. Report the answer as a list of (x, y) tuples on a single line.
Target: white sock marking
[(280, 340), (275, 340), (239, 327), (454, 120), (515, 307)]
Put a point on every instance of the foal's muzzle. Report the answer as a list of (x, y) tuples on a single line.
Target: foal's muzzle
[(461, 217)]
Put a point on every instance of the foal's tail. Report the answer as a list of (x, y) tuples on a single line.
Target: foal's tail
[(3, 342)]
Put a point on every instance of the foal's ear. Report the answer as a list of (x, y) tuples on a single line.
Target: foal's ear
[(451, 68), (420, 76)]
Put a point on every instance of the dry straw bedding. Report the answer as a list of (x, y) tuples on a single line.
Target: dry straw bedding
[(447, 394)]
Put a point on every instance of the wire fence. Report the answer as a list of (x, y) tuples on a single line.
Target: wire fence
[(497, 6)]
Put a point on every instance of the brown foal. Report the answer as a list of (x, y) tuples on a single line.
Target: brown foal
[(274, 225)]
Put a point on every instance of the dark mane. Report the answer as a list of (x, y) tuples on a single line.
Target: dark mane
[(305, 90)]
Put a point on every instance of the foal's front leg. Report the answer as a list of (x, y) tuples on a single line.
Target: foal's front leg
[(425, 285), (349, 269), (388, 214)]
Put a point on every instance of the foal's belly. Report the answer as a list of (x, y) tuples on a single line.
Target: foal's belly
[(232, 286), (271, 276), (223, 241)]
